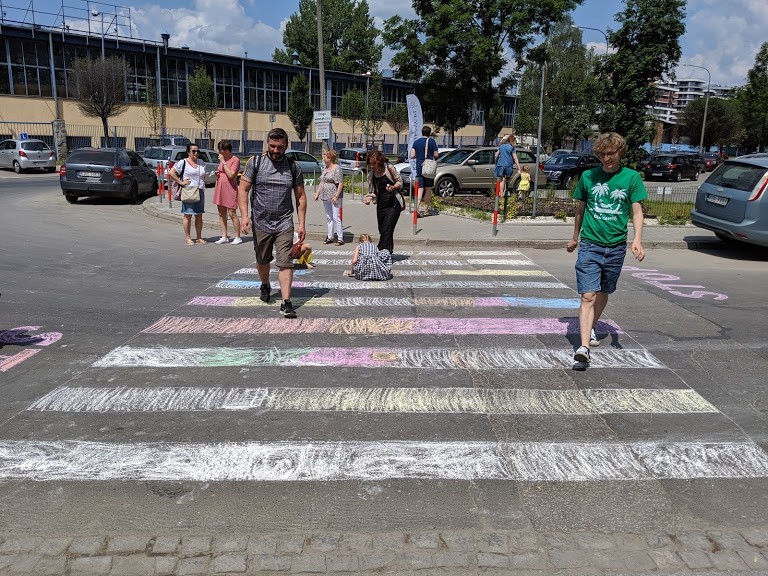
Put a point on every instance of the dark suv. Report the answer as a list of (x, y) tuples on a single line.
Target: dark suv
[(106, 172), (671, 167)]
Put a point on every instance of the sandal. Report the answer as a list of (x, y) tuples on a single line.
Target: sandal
[(327, 241), (201, 241), (189, 242), (340, 243)]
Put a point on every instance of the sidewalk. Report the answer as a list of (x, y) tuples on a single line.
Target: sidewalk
[(445, 228)]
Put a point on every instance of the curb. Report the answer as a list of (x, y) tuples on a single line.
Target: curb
[(695, 243)]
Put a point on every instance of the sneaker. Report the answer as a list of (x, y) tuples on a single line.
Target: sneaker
[(582, 355), (266, 290), (237, 240), (222, 240), (593, 341), (286, 309)]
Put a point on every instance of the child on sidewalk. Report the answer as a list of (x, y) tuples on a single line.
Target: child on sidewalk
[(524, 188)]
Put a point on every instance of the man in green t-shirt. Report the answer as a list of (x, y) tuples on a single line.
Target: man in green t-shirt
[(607, 196)]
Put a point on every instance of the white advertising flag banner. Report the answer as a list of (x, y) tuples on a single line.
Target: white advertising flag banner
[(415, 123)]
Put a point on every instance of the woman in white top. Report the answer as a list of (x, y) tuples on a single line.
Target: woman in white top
[(329, 191), (188, 171)]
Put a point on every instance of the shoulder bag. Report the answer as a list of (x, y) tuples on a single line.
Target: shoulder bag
[(175, 186), (429, 166)]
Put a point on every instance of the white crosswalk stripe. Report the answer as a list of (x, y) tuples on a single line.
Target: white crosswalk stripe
[(382, 336)]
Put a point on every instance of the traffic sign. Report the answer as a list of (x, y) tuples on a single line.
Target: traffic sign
[(23, 136), (322, 115), (322, 130)]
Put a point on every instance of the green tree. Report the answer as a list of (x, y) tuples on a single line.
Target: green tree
[(753, 102), (300, 110), (374, 108), (100, 88), (571, 86), (471, 39), (352, 109), (448, 109), (202, 99), (397, 118), (152, 113), (724, 123), (647, 48), (349, 36)]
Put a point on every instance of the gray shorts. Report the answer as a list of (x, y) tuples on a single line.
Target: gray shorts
[(281, 242)]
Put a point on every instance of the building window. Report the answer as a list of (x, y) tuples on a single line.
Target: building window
[(29, 68), (227, 86), (141, 73), (173, 81)]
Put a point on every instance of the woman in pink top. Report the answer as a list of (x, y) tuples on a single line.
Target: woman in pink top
[(225, 193)]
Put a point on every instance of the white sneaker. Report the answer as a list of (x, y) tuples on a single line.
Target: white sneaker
[(593, 341), (237, 240), (222, 240)]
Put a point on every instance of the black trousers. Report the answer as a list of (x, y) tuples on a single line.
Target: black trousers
[(387, 218)]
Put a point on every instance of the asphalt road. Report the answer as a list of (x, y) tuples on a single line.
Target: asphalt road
[(101, 273)]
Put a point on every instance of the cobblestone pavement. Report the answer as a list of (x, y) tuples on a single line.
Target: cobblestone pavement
[(439, 552)]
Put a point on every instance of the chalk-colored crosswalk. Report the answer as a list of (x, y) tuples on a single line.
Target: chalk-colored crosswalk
[(516, 332)]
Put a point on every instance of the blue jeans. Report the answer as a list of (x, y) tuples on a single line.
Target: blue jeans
[(598, 267)]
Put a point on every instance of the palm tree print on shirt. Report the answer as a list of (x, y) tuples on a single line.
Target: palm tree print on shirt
[(617, 197)]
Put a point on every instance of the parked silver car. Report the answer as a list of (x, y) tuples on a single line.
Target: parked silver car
[(106, 172), (167, 156), (310, 166), (733, 201), (25, 154)]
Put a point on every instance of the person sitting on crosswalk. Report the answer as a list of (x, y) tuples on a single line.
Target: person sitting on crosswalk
[(370, 263)]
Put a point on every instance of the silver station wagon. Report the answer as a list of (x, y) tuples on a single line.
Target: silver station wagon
[(733, 201)]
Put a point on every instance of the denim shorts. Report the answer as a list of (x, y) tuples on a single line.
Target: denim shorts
[(503, 171), (598, 267), (425, 182)]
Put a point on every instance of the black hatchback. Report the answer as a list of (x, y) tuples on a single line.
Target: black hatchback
[(107, 173), (671, 167)]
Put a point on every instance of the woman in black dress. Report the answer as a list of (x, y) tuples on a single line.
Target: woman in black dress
[(384, 189)]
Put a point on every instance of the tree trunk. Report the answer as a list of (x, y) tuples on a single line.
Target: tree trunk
[(106, 131)]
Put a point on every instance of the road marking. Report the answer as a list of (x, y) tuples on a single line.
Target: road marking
[(424, 359), (441, 253), (411, 326), (384, 400), (335, 461), (392, 285), (407, 263), (384, 302)]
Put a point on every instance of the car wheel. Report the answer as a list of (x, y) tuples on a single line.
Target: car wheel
[(133, 195), (695, 176), (446, 186), (16, 167), (71, 198), (678, 176)]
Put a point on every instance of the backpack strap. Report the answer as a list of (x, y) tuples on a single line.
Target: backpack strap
[(291, 164)]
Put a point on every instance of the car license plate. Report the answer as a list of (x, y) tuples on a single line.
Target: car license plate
[(41, 162), (89, 174), (719, 200), (655, 173)]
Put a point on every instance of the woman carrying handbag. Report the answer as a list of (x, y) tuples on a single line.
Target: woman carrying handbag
[(193, 171), (384, 190)]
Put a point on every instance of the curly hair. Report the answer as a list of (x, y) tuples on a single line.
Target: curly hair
[(610, 141)]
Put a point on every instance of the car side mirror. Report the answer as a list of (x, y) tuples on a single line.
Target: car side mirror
[(472, 162)]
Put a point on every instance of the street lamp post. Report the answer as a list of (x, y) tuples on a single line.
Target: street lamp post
[(596, 30), (706, 103)]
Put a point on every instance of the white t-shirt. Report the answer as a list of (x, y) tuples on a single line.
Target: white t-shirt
[(194, 175)]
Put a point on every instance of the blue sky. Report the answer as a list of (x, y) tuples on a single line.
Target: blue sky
[(723, 40)]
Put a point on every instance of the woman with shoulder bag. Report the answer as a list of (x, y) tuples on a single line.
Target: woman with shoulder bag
[(384, 189), (193, 171)]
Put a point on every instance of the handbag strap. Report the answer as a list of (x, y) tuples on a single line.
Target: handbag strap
[(426, 148)]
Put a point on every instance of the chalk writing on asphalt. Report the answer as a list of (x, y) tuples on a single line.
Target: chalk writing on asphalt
[(665, 282)]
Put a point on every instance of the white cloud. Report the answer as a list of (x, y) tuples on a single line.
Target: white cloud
[(724, 38), (211, 26)]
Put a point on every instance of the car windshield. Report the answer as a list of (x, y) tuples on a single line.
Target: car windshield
[(735, 175), (34, 146), (662, 159), (456, 157), (158, 154), (564, 160), (96, 157)]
